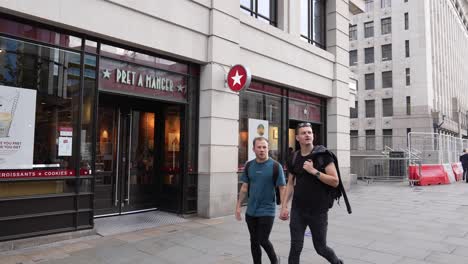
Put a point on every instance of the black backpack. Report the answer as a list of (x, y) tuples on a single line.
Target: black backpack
[(335, 193), (275, 179)]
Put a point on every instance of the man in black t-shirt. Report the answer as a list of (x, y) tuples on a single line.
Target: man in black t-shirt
[(464, 162), (310, 179)]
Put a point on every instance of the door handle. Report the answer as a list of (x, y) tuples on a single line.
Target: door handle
[(117, 184)]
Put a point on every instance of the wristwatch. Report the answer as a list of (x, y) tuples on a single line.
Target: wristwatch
[(317, 174)]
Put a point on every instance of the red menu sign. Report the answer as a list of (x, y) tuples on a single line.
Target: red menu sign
[(127, 78), (13, 174)]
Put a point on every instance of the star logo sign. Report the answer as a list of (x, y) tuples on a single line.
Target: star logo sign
[(180, 88), (237, 78), (106, 74)]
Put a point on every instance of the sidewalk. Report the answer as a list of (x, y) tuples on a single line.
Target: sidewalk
[(391, 223)]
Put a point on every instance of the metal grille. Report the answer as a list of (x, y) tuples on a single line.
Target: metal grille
[(132, 222)]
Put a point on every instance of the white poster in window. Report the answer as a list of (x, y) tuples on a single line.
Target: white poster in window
[(257, 128), (65, 146), (17, 124)]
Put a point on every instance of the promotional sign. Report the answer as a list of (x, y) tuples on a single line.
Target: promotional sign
[(238, 78), (13, 174), (17, 123), (257, 128)]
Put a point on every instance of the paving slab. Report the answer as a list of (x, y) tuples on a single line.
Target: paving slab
[(391, 223)]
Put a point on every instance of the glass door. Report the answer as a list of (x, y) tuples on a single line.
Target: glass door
[(139, 188), (107, 194), (125, 158)]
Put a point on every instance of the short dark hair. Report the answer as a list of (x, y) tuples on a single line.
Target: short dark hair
[(260, 138), (303, 124)]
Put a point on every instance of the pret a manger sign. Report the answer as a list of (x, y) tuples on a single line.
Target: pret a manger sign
[(132, 79), (147, 81)]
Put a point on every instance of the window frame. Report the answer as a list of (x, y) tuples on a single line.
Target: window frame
[(310, 25), (406, 21), (384, 49), (387, 138), (387, 107), (385, 3), (387, 79), (408, 76), (352, 32), (367, 60), (370, 139), (369, 5), (369, 31), (353, 54), (353, 112), (369, 114), (407, 49), (366, 79), (386, 26), (408, 105), (253, 10)]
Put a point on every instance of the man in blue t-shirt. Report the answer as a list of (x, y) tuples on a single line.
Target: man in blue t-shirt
[(257, 182)]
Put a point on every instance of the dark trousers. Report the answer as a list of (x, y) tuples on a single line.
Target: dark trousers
[(318, 225), (260, 229), (465, 176)]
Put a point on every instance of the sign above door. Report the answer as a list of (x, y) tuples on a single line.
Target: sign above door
[(136, 80)]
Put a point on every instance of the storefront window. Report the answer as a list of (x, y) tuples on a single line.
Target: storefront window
[(55, 75), (39, 34), (89, 92), (264, 111)]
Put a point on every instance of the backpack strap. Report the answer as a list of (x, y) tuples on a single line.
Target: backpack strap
[(340, 183), (275, 172), (246, 169)]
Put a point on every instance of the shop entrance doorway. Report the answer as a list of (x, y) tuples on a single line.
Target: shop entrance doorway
[(133, 153)]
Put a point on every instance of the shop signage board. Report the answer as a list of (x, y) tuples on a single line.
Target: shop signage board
[(257, 128), (137, 80), (17, 124), (14, 174), (238, 78)]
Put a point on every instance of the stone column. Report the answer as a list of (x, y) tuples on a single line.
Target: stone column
[(219, 115), (337, 39)]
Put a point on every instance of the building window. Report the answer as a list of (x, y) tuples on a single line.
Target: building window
[(54, 74), (386, 3), (263, 107), (369, 29), (352, 57), (352, 32), (407, 53), (370, 108), (354, 139), (386, 52), (408, 105), (353, 112), (313, 22), (370, 139), (386, 24), (387, 81), (406, 21), (369, 55), (408, 76), (263, 10), (387, 107), (369, 5), (369, 81), (387, 135)]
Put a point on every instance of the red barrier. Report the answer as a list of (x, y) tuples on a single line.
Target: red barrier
[(458, 171), (430, 174)]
